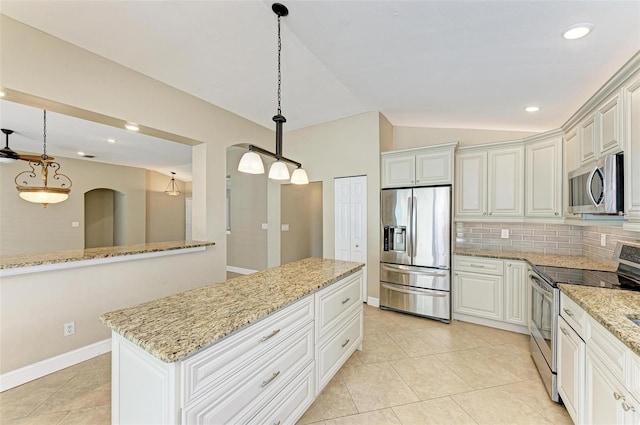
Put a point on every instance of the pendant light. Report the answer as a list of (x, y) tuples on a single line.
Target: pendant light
[(173, 189), (251, 162), (44, 194), (6, 154)]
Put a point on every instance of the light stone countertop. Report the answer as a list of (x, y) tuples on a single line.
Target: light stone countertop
[(176, 326), (611, 308), (30, 260), (554, 260)]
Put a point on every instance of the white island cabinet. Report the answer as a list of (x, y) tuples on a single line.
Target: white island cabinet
[(269, 370)]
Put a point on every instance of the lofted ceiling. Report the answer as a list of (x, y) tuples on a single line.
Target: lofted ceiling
[(457, 64)]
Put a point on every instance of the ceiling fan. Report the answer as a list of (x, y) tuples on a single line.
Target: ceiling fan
[(8, 155)]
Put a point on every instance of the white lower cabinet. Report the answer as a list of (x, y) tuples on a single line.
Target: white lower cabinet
[(571, 360), (269, 372), (597, 378), (491, 292)]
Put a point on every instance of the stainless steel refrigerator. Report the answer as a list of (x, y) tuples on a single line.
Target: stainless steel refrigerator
[(416, 251)]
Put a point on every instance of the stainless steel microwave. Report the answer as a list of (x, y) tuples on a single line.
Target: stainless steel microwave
[(598, 188)]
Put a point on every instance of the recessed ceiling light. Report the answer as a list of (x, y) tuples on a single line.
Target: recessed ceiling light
[(577, 31), (80, 153), (532, 108), (131, 126), (111, 140), (2, 93)]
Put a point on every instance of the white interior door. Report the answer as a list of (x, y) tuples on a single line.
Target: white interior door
[(351, 222)]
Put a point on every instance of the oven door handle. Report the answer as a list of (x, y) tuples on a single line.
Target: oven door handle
[(540, 286)]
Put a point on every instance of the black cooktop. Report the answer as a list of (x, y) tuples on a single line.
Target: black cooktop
[(622, 279)]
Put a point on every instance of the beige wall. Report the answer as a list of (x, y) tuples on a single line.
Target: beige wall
[(30, 228), (35, 63), (386, 134), (99, 218), (34, 307), (416, 137), (165, 214), (343, 148), (247, 242), (301, 209)]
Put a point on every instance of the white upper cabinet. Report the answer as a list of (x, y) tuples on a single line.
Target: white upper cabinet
[(600, 131), (418, 167), (631, 98), (398, 170), (544, 177), (490, 182), (506, 182)]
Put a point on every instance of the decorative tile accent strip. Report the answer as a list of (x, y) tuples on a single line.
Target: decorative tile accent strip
[(27, 260), (173, 327)]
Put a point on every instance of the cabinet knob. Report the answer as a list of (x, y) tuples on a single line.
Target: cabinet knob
[(617, 396), (490, 213), (557, 213), (357, 246), (484, 213), (456, 273), (508, 264)]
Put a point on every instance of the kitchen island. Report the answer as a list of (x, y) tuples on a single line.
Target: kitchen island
[(257, 348)]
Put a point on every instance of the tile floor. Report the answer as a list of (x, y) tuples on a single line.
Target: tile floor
[(411, 371)]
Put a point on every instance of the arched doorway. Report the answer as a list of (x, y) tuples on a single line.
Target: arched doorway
[(104, 211)]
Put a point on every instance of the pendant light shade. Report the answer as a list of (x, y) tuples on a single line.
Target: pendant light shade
[(44, 195), (7, 155), (299, 176), (251, 163), (279, 171), (37, 189), (173, 189)]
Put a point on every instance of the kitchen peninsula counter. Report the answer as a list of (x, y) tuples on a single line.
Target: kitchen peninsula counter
[(553, 260), (25, 263), (611, 308), (174, 327)]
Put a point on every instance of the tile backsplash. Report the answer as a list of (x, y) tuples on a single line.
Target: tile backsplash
[(561, 239)]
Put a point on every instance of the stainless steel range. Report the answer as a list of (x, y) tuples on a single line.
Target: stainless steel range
[(545, 302)]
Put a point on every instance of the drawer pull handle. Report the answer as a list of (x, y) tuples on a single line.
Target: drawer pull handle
[(564, 331), (569, 312), (276, 423), (346, 301), (477, 265), (617, 396), (271, 335), (628, 407), (345, 343), (268, 381)]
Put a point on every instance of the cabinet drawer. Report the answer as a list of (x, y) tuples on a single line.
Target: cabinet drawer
[(335, 302), (223, 360), (247, 391), (290, 404), (337, 349), (574, 314), (607, 347), (478, 265)]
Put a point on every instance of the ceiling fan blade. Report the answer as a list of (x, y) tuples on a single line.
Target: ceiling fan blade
[(34, 158)]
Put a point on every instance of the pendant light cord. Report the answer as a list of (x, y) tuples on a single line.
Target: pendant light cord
[(44, 136), (279, 72)]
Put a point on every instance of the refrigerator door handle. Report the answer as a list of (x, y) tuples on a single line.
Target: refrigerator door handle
[(411, 232), (423, 272), (414, 225), (431, 293)]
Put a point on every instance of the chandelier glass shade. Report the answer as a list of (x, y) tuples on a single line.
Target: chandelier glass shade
[(55, 186), (251, 162)]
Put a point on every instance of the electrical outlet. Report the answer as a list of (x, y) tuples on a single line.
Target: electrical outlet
[(603, 240), (69, 328), (504, 234)]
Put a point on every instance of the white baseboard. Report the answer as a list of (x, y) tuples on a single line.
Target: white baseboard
[(240, 270), (373, 302), (45, 367)]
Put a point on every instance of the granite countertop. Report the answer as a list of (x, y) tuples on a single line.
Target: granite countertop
[(554, 260), (611, 308), (174, 327), (28, 260)]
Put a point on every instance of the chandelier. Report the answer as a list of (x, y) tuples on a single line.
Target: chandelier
[(173, 189), (27, 182), (251, 162)]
